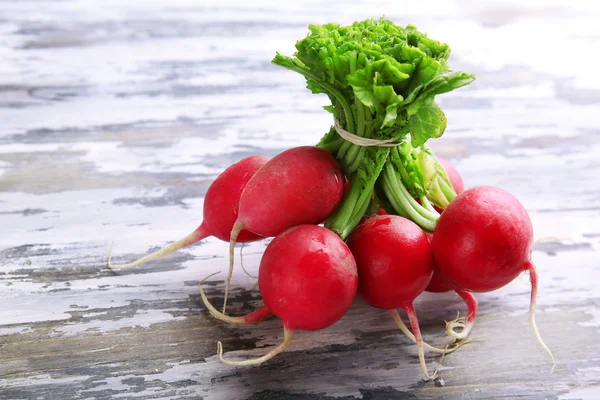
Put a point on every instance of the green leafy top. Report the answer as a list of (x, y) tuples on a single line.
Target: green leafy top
[(382, 80), (391, 71)]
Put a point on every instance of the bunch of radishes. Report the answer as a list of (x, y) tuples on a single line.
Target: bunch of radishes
[(396, 219), (309, 276)]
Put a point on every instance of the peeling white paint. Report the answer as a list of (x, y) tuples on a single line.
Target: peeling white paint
[(125, 102)]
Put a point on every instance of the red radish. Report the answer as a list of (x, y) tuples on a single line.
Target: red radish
[(220, 210), (302, 185), (483, 241), (395, 265), (307, 277), (439, 283)]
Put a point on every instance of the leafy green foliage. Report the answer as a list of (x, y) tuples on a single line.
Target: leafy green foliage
[(382, 80), (428, 122), (386, 67)]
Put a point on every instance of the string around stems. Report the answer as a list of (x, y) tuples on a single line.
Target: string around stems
[(362, 141)]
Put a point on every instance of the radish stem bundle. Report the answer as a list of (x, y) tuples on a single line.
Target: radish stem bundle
[(382, 80)]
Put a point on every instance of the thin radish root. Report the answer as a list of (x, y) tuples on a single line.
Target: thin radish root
[(414, 323), (242, 262), (409, 334), (287, 339), (534, 287), (235, 231), (199, 234), (464, 324), (256, 316), (439, 364), (459, 323)]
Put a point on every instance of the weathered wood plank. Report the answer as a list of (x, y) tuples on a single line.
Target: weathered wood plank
[(115, 119)]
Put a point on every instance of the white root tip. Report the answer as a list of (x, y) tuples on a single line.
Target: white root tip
[(427, 346), (212, 310), (287, 339), (108, 265), (414, 324), (461, 324), (193, 237), (242, 262), (256, 316), (533, 276)]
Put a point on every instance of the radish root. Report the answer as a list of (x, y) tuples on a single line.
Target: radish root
[(409, 334), (235, 231), (242, 263), (533, 276), (414, 323), (287, 339), (457, 323), (439, 364), (257, 315), (465, 325), (199, 234)]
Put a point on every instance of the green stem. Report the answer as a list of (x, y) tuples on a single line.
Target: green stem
[(351, 156), (338, 221), (435, 192), (398, 185), (381, 194), (400, 166), (356, 202), (374, 204), (365, 129), (422, 217), (392, 199), (343, 150), (347, 153), (336, 107), (427, 204), (359, 212), (447, 190), (333, 146), (357, 159)]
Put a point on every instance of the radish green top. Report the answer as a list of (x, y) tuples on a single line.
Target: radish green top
[(382, 80)]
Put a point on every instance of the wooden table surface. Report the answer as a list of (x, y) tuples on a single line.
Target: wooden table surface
[(115, 117)]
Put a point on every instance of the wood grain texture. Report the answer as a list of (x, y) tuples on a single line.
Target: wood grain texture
[(116, 116)]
